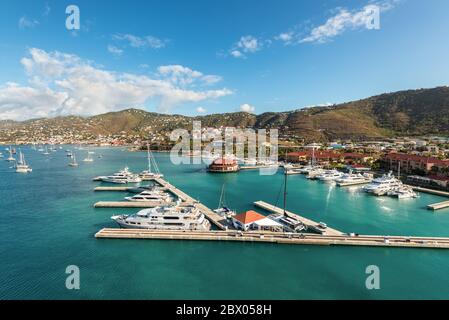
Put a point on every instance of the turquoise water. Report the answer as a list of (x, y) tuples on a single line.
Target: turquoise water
[(48, 222)]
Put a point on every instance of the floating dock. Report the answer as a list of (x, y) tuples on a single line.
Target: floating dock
[(439, 205), (434, 206), (282, 238), (259, 167), (309, 223)]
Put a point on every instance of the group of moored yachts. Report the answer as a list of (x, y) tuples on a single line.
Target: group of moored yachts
[(20, 165), (387, 184)]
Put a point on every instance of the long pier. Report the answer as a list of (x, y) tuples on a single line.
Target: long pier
[(112, 188), (353, 183), (215, 218), (308, 222), (434, 206), (281, 238)]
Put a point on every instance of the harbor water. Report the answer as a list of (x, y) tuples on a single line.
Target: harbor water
[(48, 223)]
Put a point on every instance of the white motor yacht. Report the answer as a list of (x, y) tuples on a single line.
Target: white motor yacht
[(404, 192), (354, 178), (330, 175), (150, 196), (121, 177), (165, 218), (381, 186)]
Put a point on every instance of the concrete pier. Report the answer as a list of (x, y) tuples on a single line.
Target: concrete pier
[(281, 238), (130, 204)]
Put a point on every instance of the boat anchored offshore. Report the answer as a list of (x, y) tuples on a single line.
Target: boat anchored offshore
[(89, 158), (11, 157), (403, 192), (150, 195), (21, 166), (165, 218), (73, 163), (121, 177), (381, 186)]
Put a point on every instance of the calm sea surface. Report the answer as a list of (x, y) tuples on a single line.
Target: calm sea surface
[(48, 222)]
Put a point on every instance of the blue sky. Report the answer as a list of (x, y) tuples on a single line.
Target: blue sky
[(201, 57)]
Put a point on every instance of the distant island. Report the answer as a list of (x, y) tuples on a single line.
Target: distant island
[(402, 113)]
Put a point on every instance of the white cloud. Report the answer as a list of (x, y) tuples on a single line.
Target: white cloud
[(201, 110), (24, 22), (247, 108), (349, 20), (114, 50), (62, 84), (249, 44), (246, 44), (182, 76), (141, 42), (236, 54)]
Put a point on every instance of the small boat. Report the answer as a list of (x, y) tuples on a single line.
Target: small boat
[(89, 158), (10, 158), (73, 163), (46, 153), (1, 155), (21, 165), (403, 192)]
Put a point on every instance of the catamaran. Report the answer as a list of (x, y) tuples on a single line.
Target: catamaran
[(152, 164), (223, 210), (165, 218), (21, 165)]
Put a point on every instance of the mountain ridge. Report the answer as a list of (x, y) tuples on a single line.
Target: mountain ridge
[(407, 112)]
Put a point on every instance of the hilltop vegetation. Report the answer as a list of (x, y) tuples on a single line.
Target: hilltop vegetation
[(411, 112)]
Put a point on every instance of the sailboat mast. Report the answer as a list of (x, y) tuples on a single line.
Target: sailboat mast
[(285, 193), (148, 157)]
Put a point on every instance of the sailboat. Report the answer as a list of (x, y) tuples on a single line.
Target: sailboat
[(46, 153), (149, 174), (73, 163), (89, 158), (21, 166), (222, 209), (10, 158)]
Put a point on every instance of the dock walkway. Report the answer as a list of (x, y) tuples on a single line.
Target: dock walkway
[(308, 222), (282, 238)]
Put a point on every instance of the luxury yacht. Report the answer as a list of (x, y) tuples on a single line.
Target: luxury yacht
[(21, 166), (329, 175), (121, 177), (315, 173), (403, 192), (150, 196), (165, 218), (354, 178), (381, 186), (307, 169)]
